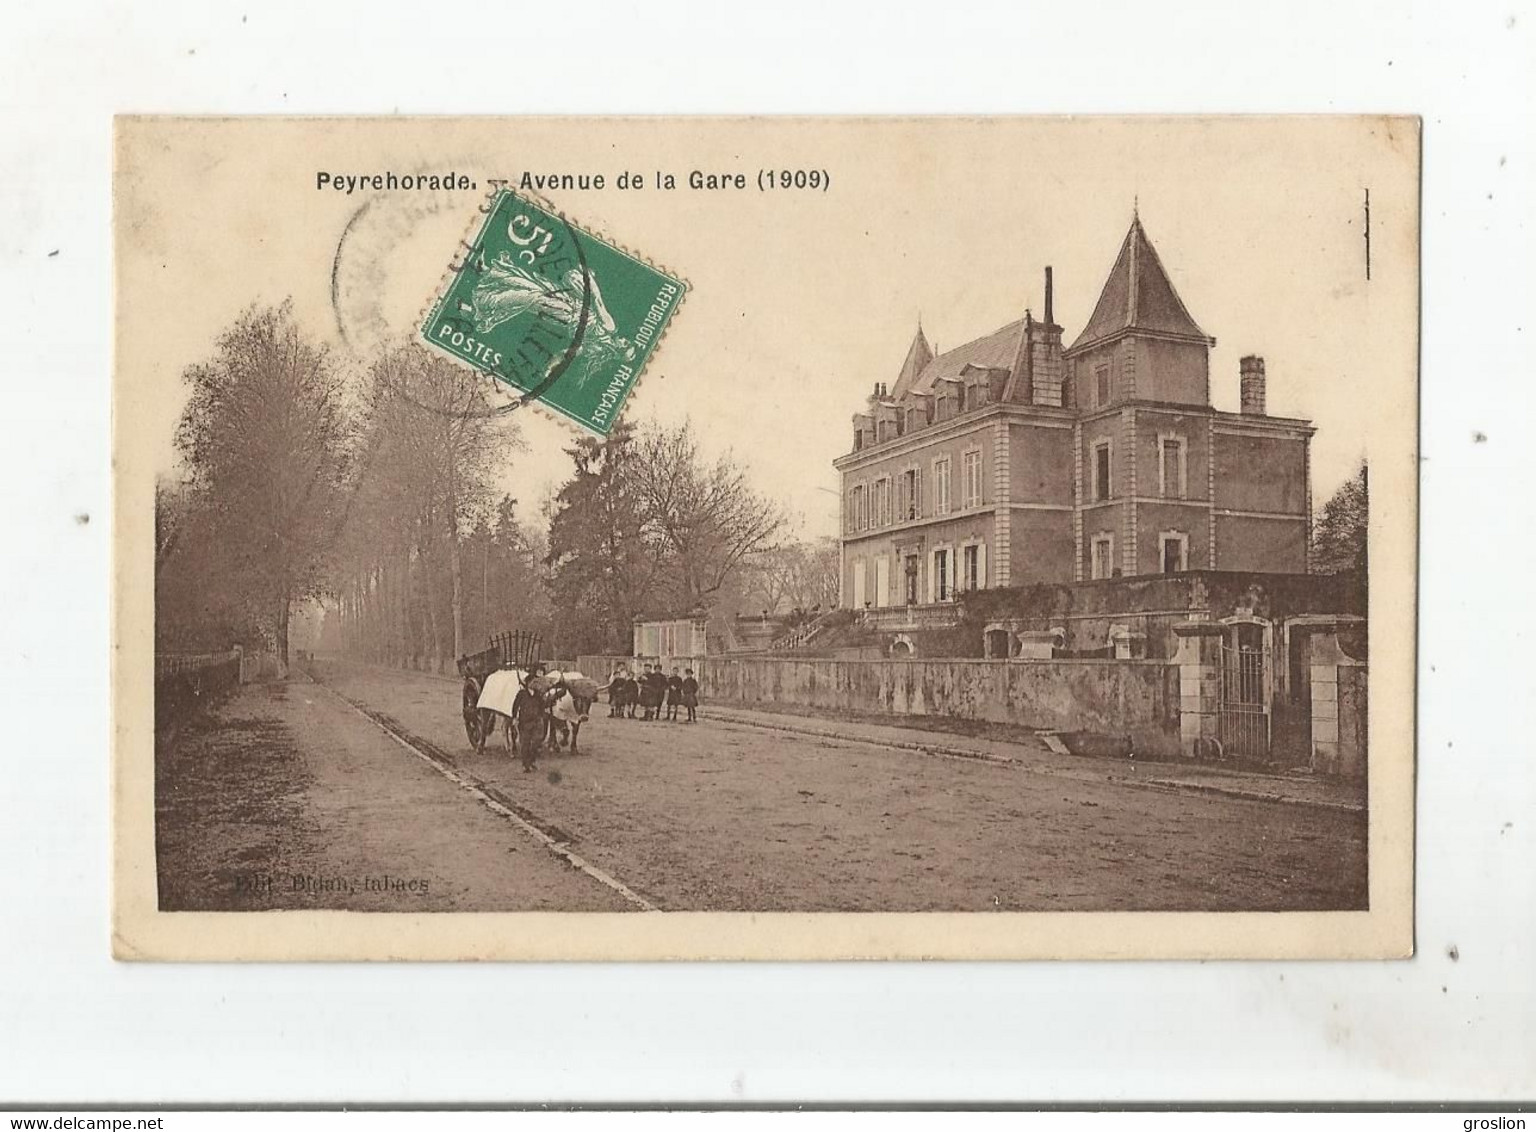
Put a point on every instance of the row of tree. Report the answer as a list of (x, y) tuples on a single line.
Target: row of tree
[(376, 494)]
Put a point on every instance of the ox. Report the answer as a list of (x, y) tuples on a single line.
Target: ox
[(573, 696)]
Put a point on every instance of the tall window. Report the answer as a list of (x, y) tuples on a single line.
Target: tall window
[(1103, 556), (971, 479), (1101, 484), (860, 509), (1101, 377), (911, 488), (970, 568), (941, 486), (882, 502), (941, 584), (1171, 467)]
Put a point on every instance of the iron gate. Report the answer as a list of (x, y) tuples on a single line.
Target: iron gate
[(1244, 716)]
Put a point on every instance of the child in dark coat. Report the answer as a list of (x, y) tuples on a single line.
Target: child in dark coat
[(650, 695), (690, 690), (674, 694), (529, 710)]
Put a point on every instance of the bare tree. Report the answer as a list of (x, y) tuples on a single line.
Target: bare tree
[(263, 437), (814, 580), (705, 514), (795, 576), (769, 576)]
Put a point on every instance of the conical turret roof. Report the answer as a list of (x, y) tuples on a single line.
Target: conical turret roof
[(1138, 295), (918, 358)]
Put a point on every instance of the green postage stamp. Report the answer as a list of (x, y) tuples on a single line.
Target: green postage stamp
[(564, 317)]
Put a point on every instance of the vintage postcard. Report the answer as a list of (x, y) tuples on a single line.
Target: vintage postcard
[(674, 538)]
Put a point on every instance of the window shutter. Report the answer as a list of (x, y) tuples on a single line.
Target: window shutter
[(981, 566), (933, 573), (917, 492)]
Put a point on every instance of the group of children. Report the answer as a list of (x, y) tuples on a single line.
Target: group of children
[(650, 690)]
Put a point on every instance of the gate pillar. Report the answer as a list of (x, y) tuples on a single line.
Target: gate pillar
[(1199, 661), (1338, 701)]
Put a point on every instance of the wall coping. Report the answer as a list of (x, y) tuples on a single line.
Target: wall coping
[(1200, 628), (1015, 660), (1325, 620)]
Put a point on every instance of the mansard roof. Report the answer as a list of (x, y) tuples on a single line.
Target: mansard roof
[(1138, 295), (992, 351)]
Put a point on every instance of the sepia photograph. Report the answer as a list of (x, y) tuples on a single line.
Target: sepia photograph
[(889, 538)]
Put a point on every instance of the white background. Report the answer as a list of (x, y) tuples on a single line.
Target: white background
[(75, 1026)]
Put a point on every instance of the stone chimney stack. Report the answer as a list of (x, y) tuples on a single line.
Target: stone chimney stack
[(1251, 380), (1044, 367)]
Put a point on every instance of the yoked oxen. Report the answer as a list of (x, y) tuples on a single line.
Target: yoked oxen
[(573, 698), (499, 700)]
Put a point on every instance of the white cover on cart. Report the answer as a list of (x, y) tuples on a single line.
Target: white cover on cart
[(500, 690)]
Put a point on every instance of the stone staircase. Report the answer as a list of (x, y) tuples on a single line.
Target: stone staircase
[(803, 635)]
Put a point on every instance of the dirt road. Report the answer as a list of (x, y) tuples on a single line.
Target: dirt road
[(287, 798), (716, 816)]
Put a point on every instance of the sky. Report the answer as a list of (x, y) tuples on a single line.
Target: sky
[(799, 301)]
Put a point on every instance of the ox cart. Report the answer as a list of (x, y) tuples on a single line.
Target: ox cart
[(518, 649)]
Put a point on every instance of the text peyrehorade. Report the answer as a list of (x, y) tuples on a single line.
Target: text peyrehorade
[(628, 180)]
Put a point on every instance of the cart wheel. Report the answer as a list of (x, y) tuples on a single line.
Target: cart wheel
[(472, 728)]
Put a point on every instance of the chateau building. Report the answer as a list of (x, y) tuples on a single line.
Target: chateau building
[(1012, 460)]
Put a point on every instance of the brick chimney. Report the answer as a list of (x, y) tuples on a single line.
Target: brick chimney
[(1045, 367), (1251, 381)]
